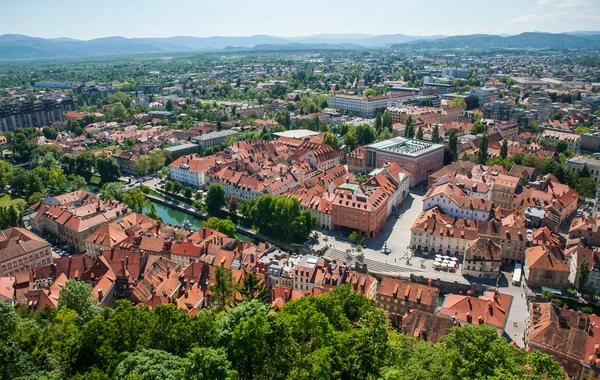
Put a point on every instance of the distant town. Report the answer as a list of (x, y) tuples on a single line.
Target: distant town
[(448, 189)]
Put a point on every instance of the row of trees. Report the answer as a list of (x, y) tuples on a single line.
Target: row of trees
[(342, 335)]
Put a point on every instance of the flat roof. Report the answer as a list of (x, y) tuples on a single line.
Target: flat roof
[(177, 148), (215, 135), (296, 133), (406, 147)]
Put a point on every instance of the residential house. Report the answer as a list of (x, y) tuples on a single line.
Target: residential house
[(546, 266)]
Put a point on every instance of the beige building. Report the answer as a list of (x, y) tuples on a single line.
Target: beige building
[(21, 250), (434, 231), (503, 190), (482, 259)]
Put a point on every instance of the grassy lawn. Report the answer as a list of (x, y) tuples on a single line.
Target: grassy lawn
[(94, 180), (8, 200)]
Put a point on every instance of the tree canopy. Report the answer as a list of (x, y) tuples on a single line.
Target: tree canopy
[(342, 335)]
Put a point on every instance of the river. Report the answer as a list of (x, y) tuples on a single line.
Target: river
[(176, 217)]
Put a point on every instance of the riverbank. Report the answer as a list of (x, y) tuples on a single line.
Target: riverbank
[(171, 217)]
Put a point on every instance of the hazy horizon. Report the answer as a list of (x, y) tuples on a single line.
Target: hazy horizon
[(156, 19)]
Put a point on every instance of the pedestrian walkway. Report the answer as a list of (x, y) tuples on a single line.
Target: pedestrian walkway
[(373, 266)]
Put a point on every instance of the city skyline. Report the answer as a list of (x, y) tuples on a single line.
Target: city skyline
[(267, 17)]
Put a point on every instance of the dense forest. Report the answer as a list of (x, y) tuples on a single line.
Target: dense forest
[(342, 335)]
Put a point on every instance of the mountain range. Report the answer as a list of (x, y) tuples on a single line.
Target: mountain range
[(529, 40), (16, 46)]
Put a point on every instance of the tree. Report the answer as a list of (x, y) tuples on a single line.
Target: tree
[(157, 161), (84, 164), (471, 102), (586, 187), (169, 106), (353, 237), (562, 146), (364, 134), (79, 183), (419, 135), (409, 131), (215, 198), (18, 181), (142, 166), (504, 149), (77, 296), (331, 140), (233, 205), (435, 134), (149, 364), (207, 363), (177, 187), (482, 154), (68, 163), (35, 198), (453, 144), (378, 123), (543, 366), (458, 102), (253, 287), (152, 213), (222, 289), (582, 275), (224, 226), (5, 173), (50, 133), (187, 192), (113, 190), (387, 120), (135, 199)]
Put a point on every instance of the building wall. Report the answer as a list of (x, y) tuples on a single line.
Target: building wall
[(26, 262), (453, 209), (419, 167), (481, 268), (438, 244)]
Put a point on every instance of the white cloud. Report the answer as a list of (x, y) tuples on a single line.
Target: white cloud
[(554, 17), (563, 4)]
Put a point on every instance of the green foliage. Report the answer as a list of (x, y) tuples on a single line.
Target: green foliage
[(152, 213), (281, 217), (5, 173), (409, 131), (85, 163), (482, 153), (77, 296), (453, 144), (582, 275), (435, 134), (108, 168), (331, 140), (419, 135), (458, 102), (10, 216), (342, 335), (504, 149), (149, 365), (79, 183), (215, 199), (135, 199), (224, 226), (113, 190)]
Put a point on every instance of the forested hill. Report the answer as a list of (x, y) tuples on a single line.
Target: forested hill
[(531, 40), (337, 336)]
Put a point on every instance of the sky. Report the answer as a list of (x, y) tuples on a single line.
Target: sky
[(90, 19)]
